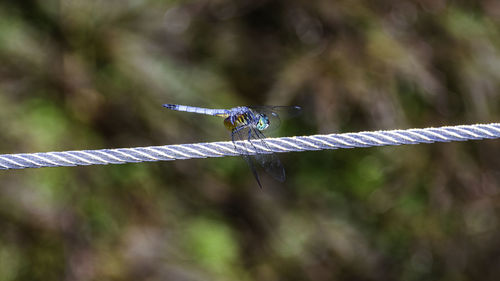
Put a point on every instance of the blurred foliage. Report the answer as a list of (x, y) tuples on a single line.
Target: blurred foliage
[(93, 74)]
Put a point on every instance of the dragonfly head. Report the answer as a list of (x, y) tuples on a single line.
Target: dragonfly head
[(263, 122)]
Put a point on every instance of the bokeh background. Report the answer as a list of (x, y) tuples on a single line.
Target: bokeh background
[(93, 74)]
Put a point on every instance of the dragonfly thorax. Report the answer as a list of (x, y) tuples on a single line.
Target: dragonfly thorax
[(260, 121)]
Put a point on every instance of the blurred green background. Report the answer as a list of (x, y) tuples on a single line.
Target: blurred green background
[(90, 74)]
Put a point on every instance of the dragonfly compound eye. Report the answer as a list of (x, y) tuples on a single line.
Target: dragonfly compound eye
[(263, 122)]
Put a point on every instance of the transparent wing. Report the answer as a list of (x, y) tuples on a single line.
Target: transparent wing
[(242, 134), (282, 111), (269, 161), (276, 113)]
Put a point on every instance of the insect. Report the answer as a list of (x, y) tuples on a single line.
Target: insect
[(247, 123)]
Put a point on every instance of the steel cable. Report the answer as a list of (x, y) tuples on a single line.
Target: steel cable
[(221, 149)]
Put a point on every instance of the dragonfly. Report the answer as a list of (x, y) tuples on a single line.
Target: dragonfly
[(247, 123)]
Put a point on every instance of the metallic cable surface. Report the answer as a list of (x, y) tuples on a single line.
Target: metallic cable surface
[(221, 149)]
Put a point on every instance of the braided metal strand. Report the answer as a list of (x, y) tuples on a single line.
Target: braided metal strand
[(220, 149)]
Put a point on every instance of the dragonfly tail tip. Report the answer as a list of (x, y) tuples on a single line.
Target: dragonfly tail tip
[(170, 106)]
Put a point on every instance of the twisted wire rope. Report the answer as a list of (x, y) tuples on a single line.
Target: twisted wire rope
[(227, 148)]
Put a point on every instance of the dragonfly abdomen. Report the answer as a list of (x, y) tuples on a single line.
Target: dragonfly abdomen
[(194, 109)]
